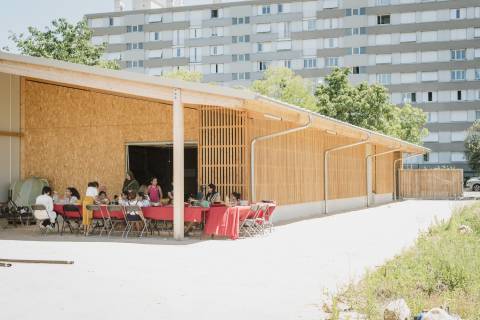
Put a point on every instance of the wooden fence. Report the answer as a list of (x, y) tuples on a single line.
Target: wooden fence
[(431, 183)]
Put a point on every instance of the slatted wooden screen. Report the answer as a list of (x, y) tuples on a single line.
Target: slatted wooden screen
[(431, 183), (222, 150)]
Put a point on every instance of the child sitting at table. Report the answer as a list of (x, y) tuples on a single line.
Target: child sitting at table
[(143, 199), (234, 199), (102, 198)]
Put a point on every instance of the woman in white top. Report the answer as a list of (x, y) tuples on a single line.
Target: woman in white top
[(72, 196)]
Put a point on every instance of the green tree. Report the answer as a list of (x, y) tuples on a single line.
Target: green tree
[(63, 41), (472, 146), (368, 106), (282, 84), (186, 75)]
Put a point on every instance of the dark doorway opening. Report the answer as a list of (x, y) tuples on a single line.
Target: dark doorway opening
[(157, 161)]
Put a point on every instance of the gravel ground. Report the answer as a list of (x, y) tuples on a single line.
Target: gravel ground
[(282, 275)]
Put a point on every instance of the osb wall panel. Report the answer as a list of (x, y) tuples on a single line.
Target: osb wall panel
[(289, 168), (72, 136), (383, 171)]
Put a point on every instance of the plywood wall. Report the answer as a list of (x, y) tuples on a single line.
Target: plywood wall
[(222, 150), (383, 171), (289, 169), (72, 136)]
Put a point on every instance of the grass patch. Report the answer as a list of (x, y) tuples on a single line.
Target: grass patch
[(442, 269)]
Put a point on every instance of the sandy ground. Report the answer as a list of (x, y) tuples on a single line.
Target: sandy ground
[(282, 275)]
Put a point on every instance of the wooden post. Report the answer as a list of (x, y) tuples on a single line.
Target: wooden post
[(178, 165)]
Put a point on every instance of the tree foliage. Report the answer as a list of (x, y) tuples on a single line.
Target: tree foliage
[(282, 84), (368, 106), (472, 146), (63, 41), (186, 75)]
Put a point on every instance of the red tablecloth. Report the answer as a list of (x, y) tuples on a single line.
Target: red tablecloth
[(191, 214)]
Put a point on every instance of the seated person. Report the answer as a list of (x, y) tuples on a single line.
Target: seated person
[(235, 199), (143, 199), (46, 200), (115, 200), (102, 198), (72, 196), (212, 195)]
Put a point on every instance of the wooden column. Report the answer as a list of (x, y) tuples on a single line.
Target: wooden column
[(178, 165)]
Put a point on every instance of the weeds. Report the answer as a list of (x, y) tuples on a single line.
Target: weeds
[(442, 269)]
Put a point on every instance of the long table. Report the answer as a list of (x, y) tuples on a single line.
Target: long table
[(220, 221)]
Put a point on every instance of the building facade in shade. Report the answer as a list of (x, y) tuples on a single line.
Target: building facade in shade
[(426, 53)]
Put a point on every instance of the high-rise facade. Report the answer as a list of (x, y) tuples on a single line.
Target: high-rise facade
[(426, 53)]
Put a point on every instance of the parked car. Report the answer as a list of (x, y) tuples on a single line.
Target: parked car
[(473, 183)]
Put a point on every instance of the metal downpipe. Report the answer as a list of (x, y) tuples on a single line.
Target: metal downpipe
[(374, 156), (266, 137), (325, 166)]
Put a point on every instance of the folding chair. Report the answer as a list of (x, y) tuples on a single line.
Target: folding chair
[(40, 214), (262, 218), (134, 214), (248, 226), (99, 220), (268, 218), (115, 216), (71, 213)]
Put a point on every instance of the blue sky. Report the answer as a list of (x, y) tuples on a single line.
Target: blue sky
[(18, 15)]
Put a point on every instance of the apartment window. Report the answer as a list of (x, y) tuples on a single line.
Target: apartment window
[(383, 2), (457, 54), (458, 34), (216, 50), (459, 135), (408, 37), (355, 12), (287, 64), (429, 76), (217, 31), (429, 36), (240, 39), (458, 13), (311, 25), (355, 31), (429, 56), (216, 68), (331, 43), (458, 157), (432, 117), (110, 21), (262, 65), (241, 20), (430, 96), (195, 33), (195, 54), (284, 30), (359, 70), (384, 78), (459, 95), (477, 115), (330, 4), (137, 28), (383, 58), (331, 23), (264, 27), (477, 74), (310, 63), (331, 62), (426, 157), (135, 46), (409, 97), (457, 75), (135, 64), (241, 57), (384, 19), (265, 10), (241, 76), (408, 57), (259, 47), (357, 50), (214, 13), (156, 36), (407, 17), (476, 32), (280, 8)]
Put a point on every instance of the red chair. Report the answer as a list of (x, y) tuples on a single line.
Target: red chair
[(115, 216), (71, 213)]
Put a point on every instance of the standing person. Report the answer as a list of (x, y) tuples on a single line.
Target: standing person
[(154, 191), (212, 195), (90, 196), (46, 200), (130, 183)]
